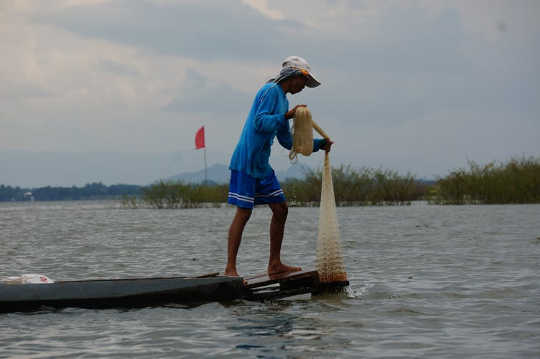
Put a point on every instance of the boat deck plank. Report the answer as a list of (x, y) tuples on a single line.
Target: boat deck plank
[(281, 285), (264, 279)]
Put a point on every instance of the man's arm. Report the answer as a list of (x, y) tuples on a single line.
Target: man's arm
[(266, 120), (284, 135), (318, 143)]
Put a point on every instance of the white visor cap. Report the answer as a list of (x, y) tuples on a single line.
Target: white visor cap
[(301, 64)]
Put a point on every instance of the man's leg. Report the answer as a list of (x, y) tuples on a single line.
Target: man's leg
[(235, 237), (277, 228)]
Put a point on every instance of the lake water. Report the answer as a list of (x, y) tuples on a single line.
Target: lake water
[(426, 281)]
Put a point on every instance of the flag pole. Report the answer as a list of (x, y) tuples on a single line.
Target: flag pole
[(205, 166)]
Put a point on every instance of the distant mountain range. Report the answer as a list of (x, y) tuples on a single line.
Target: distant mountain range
[(219, 173)]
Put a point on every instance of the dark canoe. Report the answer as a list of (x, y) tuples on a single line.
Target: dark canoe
[(126, 293), (112, 293)]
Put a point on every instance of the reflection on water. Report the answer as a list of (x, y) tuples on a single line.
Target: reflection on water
[(426, 281)]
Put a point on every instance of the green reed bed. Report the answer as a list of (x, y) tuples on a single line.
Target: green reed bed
[(366, 186), (180, 195), (351, 187), (516, 181)]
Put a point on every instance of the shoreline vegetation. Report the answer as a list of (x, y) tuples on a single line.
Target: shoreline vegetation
[(513, 182), (351, 187)]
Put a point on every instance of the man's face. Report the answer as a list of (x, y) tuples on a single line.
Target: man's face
[(297, 84)]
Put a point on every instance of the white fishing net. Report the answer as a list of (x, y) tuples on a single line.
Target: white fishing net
[(329, 259)]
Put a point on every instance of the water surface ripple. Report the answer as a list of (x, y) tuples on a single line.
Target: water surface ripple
[(426, 281)]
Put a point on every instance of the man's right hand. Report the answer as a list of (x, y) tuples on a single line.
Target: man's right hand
[(328, 145), (290, 114)]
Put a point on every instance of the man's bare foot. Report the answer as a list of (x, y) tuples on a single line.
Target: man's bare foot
[(231, 273), (234, 273), (282, 268)]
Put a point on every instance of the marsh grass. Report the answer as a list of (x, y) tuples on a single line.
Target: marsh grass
[(516, 181), (180, 195), (351, 187), (366, 186), (129, 201)]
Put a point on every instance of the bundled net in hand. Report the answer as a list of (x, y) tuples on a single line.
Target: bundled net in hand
[(302, 133), (329, 259)]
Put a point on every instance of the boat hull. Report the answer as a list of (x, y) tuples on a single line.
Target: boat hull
[(119, 293)]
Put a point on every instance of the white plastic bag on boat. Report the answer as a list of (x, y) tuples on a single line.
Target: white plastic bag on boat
[(27, 279)]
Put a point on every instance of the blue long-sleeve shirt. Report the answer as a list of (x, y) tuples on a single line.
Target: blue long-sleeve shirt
[(266, 120)]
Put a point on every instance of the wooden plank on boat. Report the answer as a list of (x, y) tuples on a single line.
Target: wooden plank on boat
[(262, 280), (281, 285)]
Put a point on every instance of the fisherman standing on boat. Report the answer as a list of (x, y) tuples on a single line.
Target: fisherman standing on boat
[(253, 181)]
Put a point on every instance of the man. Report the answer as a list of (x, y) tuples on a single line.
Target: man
[(253, 181)]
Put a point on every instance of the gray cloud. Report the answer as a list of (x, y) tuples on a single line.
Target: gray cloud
[(408, 40), (200, 95), (118, 68), (206, 30)]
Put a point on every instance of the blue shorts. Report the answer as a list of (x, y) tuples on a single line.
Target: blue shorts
[(246, 191)]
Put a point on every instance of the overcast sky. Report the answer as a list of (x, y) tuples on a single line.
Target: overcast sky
[(114, 91)]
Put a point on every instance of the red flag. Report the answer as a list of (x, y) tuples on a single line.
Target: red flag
[(199, 138)]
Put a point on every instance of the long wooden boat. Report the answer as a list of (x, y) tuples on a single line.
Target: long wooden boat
[(143, 292), (110, 293)]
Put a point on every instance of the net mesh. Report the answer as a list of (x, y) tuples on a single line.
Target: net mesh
[(329, 258)]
